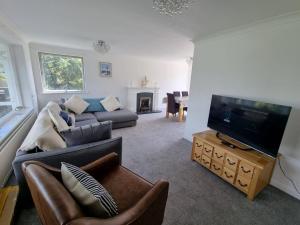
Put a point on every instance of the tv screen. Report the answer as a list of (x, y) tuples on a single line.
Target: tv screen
[(257, 124)]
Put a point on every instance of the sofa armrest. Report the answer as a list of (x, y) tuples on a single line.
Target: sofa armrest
[(77, 155), (142, 213)]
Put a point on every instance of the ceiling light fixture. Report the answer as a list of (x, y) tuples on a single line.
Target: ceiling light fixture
[(171, 7), (101, 46)]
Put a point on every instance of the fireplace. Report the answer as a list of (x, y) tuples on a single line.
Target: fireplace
[(144, 103)]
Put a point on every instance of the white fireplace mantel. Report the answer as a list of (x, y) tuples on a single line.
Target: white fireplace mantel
[(132, 96)]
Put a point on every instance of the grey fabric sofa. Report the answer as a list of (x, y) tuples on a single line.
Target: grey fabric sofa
[(77, 155), (120, 118)]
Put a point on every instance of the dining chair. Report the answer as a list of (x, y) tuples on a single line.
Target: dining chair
[(185, 93), (172, 106), (176, 93)]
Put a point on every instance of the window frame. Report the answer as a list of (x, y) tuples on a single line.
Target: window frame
[(44, 90), (12, 84)]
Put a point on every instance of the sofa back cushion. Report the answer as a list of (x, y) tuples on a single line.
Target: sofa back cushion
[(94, 105), (87, 133), (42, 134)]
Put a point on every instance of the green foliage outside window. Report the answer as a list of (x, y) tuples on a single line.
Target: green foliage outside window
[(61, 72)]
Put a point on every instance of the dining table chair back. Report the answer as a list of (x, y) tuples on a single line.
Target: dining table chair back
[(176, 93), (185, 93)]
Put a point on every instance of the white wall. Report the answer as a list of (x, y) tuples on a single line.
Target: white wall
[(259, 63), (169, 76)]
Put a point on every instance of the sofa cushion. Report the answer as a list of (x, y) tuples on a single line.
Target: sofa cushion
[(88, 192), (58, 121), (85, 116), (66, 117), (111, 104), (87, 134), (76, 104), (85, 122), (121, 115), (42, 135), (94, 105)]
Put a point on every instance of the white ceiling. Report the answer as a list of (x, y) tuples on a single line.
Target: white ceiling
[(132, 26)]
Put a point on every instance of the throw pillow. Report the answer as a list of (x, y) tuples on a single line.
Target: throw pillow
[(54, 107), (94, 105), (76, 104), (59, 122), (87, 134), (111, 104), (88, 192), (42, 135), (66, 117)]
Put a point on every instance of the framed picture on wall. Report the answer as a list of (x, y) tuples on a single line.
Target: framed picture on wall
[(105, 69)]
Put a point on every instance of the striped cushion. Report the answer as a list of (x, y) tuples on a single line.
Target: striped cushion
[(88, 192)]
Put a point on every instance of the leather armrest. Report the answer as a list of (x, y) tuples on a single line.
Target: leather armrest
[(152, 203)]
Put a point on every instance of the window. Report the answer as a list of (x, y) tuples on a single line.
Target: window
[(9, 99), (61, 73)]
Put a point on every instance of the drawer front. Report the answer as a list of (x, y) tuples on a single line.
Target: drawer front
[(205, 161), (231, 162), (197, 155), (207, 149), (242, 183), (198, 144), (216, 168), (228, 175), (218, 155), (245, 170)]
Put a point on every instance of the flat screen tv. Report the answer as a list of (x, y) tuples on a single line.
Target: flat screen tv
[(258, 125)]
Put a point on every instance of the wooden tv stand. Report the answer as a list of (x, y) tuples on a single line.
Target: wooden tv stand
[(249, 171)]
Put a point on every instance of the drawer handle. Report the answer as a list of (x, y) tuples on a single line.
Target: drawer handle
[(216, 168), (241, 184), (230, 162), (228, 176), (197, 156), (207, 150), (205, 162), (198, 145), (245, 171), (218, 156)]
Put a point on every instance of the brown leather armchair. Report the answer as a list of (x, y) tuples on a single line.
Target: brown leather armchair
[(139, 202)]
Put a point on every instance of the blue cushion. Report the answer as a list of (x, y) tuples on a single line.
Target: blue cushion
[(94, 105), (66, 117)]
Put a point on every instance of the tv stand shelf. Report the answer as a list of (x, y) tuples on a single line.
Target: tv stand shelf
[(249, 171)]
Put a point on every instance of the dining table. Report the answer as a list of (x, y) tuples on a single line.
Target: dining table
[(183, 102)]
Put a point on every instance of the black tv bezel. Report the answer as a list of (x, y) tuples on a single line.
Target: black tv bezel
[(241, 139)]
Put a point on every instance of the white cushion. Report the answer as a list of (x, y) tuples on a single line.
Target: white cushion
[(43, 135), (111, 104), (58, 121), (53, 106), (76, 104)]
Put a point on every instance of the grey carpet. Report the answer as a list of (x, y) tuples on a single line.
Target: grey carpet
[(155, 149)]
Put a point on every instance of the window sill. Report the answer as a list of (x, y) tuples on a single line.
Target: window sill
[(12, 122), (64, 92)]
